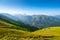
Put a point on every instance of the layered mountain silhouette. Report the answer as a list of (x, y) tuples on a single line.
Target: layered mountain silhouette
[(12, 20), (57, 16), (31, 22), (26, 27), (39, 21)]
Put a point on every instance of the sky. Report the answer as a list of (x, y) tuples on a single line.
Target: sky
[(30, 7)]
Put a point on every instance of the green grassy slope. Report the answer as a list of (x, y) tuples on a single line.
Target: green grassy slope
[(12, 32), (17, 23), (4, 24), (51, 31)]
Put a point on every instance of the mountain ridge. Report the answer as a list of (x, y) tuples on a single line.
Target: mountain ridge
[(17, 23), (40, 21)]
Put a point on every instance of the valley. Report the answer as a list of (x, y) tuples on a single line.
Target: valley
[(11, 29), (14, 34)]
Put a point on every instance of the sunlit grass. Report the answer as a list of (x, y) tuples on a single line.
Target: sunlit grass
[(10, 32), (51, 31)]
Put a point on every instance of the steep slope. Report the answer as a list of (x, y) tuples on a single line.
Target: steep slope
[(17, 23), (24, 18), (4, 24), (12, 34), (13, 30), (52, 33), (39, 21), (9, 16)]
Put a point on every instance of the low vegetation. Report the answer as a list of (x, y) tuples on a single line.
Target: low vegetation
[(52, 33), (12, 32)]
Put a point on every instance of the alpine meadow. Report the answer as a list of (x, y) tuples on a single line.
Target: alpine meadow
[(29, 19)]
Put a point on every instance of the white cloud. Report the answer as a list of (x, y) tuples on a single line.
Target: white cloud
[(30, 12)]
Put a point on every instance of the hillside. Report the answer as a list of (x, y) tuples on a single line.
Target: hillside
[(4, 24), (30, 22), (39, 21), (51, 31), (12, 34), (20, 24), (57, 16), (16, 30)]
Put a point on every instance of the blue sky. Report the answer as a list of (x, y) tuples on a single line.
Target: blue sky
[(30, 7)]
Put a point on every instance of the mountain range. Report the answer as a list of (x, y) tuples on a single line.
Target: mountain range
[(32, 21), (29, 27), (18, 24), (39, 21), (57, 16)]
